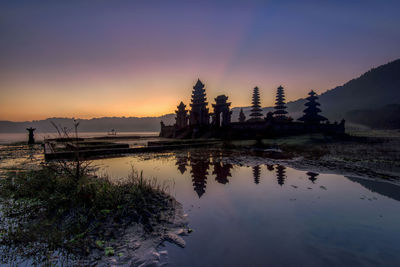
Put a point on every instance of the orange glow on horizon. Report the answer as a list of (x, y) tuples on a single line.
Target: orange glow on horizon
[(127, 99)]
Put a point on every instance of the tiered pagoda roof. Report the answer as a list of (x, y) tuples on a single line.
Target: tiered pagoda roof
[(280, 104), (199, 95), (311, 112), (256, 105)]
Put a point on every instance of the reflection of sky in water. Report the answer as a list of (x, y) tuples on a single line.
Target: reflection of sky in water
[(19, 157), (272, 215)]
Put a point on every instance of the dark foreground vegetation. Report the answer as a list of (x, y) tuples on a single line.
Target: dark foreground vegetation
[(48, 213)]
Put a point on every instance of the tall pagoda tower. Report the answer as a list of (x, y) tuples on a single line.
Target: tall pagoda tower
[(199, 115), (311, 115), (181, 116), (280, 104), (256, 110)]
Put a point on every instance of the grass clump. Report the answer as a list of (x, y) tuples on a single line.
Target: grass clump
[(47, 212)]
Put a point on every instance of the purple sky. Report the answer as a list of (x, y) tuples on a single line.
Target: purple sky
[(140, 58)]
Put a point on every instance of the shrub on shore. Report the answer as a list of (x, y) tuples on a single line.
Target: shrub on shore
[(46, 211)]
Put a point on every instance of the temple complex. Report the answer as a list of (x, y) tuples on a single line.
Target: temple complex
[(198, 122)]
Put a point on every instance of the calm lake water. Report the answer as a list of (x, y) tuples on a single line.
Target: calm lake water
[(6, 138), (258, 214)]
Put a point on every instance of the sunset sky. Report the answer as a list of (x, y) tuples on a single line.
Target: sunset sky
[(140, 58)]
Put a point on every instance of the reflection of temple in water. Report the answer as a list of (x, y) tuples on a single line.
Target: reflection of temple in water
[(270, 167), (199, 174), (280, 174), (312, 176), (182, 162), (200, 169), (222, 172), (256, 174)]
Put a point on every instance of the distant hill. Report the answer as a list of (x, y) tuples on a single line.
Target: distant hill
[(354, 101), (374, 89), (128, 124)]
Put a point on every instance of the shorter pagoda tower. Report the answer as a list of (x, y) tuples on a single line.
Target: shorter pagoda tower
[(280, 104), (256, 110), (311, 115), (181, 116)]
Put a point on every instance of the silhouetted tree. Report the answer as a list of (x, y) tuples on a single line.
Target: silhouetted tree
[(311, 112), (256, 107), (280, 104), (270, 167), (242, 117), (269, 117)]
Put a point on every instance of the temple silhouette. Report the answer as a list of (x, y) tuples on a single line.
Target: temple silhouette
[(199, 122)]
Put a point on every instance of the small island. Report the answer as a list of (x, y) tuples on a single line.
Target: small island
[(199, 122)]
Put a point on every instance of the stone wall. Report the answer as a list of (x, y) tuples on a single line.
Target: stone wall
[(250, 130)]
